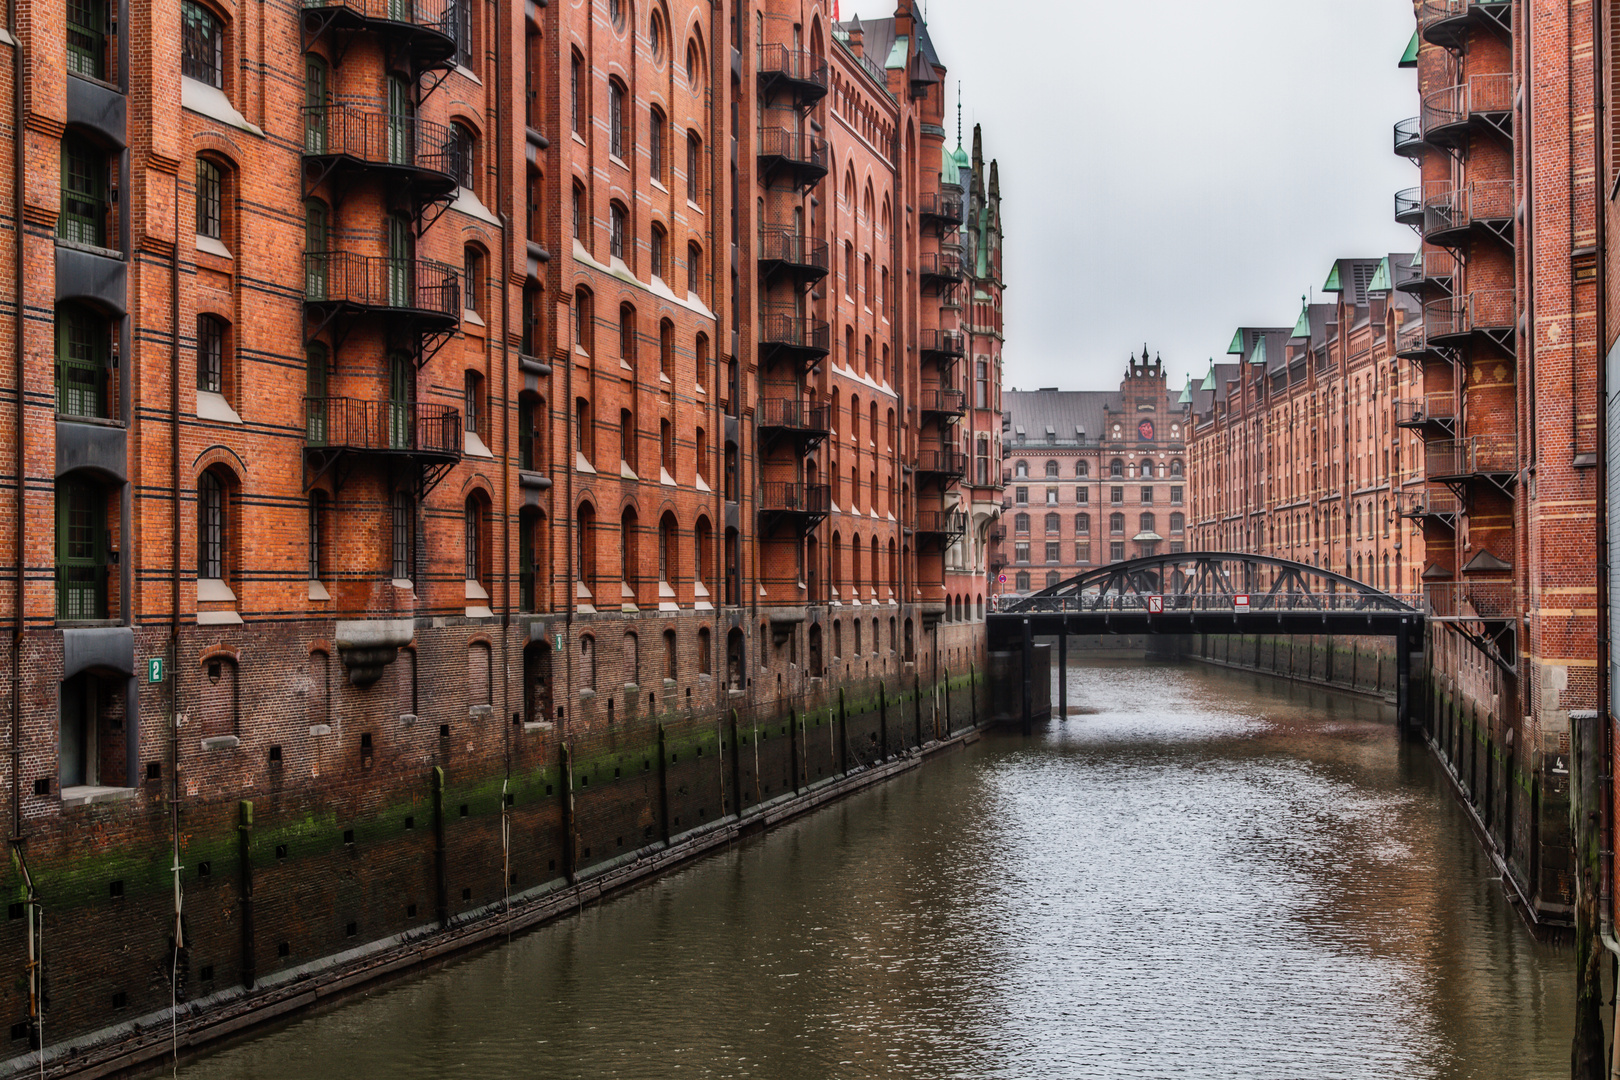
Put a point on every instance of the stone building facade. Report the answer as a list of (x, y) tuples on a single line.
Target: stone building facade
[(541, 387), (1091, 477)]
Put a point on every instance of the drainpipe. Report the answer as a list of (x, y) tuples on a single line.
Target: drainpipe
[(501, 198), (18, 179), (174, 594)]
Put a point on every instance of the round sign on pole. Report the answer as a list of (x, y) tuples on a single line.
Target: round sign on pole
[(1001, 579)]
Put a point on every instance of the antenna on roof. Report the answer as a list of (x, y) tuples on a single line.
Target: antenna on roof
[(959, 114)]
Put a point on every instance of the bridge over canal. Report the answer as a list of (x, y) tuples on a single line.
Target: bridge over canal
[(1219, 592)]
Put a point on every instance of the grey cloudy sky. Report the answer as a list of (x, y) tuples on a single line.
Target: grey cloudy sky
[(1171, 170)]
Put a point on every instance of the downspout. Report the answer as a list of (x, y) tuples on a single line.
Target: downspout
[(174, 598), (18, 179), (501, 198)]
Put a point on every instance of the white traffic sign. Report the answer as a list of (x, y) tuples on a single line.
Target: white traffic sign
[(1155, 605), (1240, 602)]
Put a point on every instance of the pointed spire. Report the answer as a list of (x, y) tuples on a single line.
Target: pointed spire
[(959, 114)]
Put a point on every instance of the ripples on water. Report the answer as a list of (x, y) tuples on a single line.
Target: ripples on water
[(1210, 875)]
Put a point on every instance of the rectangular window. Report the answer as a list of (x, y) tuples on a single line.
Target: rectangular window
[(616, 120), (211, 528), (314, 536), (473, 271), (1147, 496), (694, 155), (84, 193), (1116, 552), (1021, 553), (202, 45), (470, 397), (981, 387), (655, 145), (1175, 496), (1116, 496), (1082, 551), (87, 38), (576, 100), (1082, 495), (210, 354), (1051, 496), (1021, 495), (1053, 554), (472, 541)]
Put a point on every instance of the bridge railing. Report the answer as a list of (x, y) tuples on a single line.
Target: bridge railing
[(1342, 600)]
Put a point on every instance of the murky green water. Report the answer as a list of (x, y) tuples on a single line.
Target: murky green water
[(1209, 875)]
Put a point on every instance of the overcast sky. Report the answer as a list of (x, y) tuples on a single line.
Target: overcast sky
[(1174, 169)]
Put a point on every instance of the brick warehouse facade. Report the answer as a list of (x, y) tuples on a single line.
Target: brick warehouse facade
[(571, 428), (1092, 477), (1434, 430)]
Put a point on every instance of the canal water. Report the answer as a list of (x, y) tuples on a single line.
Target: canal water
[(1202, 874)]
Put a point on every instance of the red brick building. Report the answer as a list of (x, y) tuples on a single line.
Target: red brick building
[(471, 395), (1092, 477)]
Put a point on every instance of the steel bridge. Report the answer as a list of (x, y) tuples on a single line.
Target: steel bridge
[(1208, 592)]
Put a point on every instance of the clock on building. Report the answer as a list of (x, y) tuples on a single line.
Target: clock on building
[(1145, 430)]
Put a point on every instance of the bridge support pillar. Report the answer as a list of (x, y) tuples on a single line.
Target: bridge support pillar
[(1028, 714), (1063, 673), (1407, 703)]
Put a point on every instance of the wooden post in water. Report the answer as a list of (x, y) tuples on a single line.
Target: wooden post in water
[(1063, 672), (441, 901), (1029, 677), (1585, 743)]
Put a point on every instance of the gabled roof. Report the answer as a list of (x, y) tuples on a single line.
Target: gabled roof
[(1409, 57)]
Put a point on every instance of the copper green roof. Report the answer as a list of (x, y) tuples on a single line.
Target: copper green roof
[(1302, 328), (1186, 393), (1332, 284), (1409, 57), (1209, 380), (948, 173), (1236, 348), (1381, 281), (897, 55), (1259, 354)]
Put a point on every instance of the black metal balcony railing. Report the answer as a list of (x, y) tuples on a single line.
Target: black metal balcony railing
[(1409, 137), (789, 497), (436, 15), (378, 281), (1485, 600), (803, 75), (1436, 274), (780, 247), (1436, 503), (1436, 407), (1446, 22), (1451, 213), (383, 140), (947, 462), (1488, 313), (1477, 455), (792, 333), (941, 522), (940, 267), (942, 343), (384, 427), (1450, 111), (950, 403), (792, 415), (1409, 207), (940, 207), (799, 154)]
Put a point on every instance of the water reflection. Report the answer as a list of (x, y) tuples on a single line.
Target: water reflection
[(1208, 874)]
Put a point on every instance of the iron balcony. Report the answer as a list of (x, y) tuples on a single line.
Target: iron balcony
[(421, 291), (800, 75), (423, 156), (1431, 505), (800, 506), (1409, 207), (422, 430), (1459, 320), (1433, 411), (1433, 277), (798, 156), (422, 33), (942, 345), (1447, 22), (944, 405), (1479, 457), (1409, 138), (946, 464), (787, 418), (787, 335), (941, 209), (941, 525), (939, 269), (1483, 103), (794, 255), (1489, 600), (1454, 216)]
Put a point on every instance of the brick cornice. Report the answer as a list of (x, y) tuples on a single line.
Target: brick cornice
[(44, 125)]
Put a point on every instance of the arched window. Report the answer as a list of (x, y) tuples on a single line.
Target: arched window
[(587, 661), (1021, 582), (694, 66), (210, 199), (1178, 524), (402, 547), (1051, 468), (1176, 468), (585, 545), (666, 349), (1054, 524), (472, 263), (202, 44), (1116, 468), (659, 240), (1053, 578), (1116, 524), (705, 652), (671, 661), (1148, 523), (464, 150), (629, 561), (694, 270), (627, 334), (694, 160), (1082, 524), (668, 552), (474, 535), (316, 535), (581, 221), (1020, 469), (1021, 523), (576, 93), (1081, 468), (213, 526)]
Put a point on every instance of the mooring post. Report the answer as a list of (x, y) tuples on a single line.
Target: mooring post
[(244, 853), (1029, 677), (441, 902), (1403, 679), (1063, 671)]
